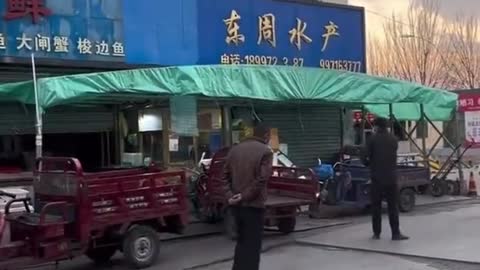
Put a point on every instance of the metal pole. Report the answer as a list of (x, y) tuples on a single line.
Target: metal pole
[(463, 181), (38, 113), (422, 119), (391, 118), (424, 142), (362, 126), (227, 126)]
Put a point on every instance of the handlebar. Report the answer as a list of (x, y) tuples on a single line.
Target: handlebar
[(61, 205), (10, 195), (25, 203)]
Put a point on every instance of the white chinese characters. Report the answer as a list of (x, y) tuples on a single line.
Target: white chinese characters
[(84, 46), (3, 42), (60, 44), (63, 44)]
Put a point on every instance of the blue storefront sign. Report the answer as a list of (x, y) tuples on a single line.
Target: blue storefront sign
[(62, 29), (264, 32)]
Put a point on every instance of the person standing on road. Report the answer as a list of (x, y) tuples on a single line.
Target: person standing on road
[(247, 169), (381, 157)]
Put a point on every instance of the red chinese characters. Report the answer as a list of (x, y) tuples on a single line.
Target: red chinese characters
[(469, 102), (20, 8)]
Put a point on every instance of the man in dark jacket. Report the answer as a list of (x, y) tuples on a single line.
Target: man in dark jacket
[(381, 157), (247, 170)]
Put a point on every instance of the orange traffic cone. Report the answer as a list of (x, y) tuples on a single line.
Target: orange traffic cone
[(472, 186)]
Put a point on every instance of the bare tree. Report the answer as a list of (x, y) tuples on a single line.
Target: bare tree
[(378, 58), (414, 47), (465, 51)]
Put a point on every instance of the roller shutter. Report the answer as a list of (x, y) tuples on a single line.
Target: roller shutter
[(18, 119), (311, 132)]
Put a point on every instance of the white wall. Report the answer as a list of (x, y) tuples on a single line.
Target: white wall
[(408, 147)]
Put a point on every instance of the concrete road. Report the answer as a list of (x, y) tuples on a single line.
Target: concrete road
[(309, 258), (436, 229), (450, 232)]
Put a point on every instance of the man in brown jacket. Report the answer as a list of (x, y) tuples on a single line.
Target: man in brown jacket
[(247, 170)]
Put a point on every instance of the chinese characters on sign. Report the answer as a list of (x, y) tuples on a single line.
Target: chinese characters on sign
[(472, 126), (297, 34), (267, 34), (237, 59), (331, 30), (62, 44), (469, 102), (267, 31), (233, 29), (21, 8)]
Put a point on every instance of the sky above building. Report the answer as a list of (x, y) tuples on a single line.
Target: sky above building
[(377, 11)]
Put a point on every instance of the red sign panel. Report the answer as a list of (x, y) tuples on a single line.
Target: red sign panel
[(357, 116), (17, 9), (469, 102)]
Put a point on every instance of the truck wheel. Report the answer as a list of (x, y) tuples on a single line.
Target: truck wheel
[(407, 200), (287, 225), (453, 188), (437, 188), (141, 247), (230, 225), (101, 255)]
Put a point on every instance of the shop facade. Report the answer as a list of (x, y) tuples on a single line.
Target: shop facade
[(265, 32), (65, 37)]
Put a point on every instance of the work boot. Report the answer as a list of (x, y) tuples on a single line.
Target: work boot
[(400, 237), (376, 237)]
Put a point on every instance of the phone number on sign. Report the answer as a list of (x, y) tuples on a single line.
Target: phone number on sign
[(236, 59), (347, 65)]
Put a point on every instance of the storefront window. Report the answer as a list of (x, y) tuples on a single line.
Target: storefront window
[(144, 139), (210, 138)]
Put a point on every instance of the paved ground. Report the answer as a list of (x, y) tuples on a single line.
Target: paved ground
[(451, 234), (309, 258), (188, 252), (423, 200), (442, 228)]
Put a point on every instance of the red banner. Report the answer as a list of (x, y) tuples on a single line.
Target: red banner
[(469, 102)]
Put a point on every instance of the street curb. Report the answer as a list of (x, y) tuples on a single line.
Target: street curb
[(390, 253)]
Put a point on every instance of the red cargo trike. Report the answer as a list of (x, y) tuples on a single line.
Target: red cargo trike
[(288, 190), (96, 214)]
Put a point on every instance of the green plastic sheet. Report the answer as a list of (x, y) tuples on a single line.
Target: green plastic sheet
[(410, 111), (283, 84), (20, 92)]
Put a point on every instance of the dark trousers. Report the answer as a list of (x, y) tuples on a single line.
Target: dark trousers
[(249, 242), (390, 193)]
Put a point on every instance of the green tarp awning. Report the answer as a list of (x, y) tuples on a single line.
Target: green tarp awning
[(284, 84)]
